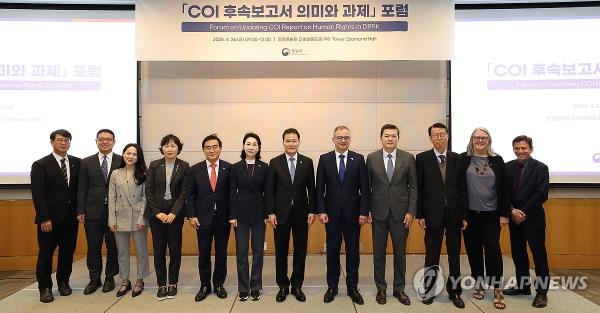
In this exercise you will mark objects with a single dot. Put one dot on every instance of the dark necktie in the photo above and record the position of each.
(104, 168)
(442, 160)
(213, 177)
(342, 170)
(250, 169)
(518, 175)
(443, 166)
(63, 169)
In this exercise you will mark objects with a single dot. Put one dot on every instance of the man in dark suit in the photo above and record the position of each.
(92, 211)
(440, 209)
(290, 201)
(54, 192)
(343, 206)
(528, 221)
(393, 205)
(206, 185)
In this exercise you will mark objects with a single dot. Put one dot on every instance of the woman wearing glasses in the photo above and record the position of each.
(248, 215)
(126, 207)
(165, 202)
(486, 197)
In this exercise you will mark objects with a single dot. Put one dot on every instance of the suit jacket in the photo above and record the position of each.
(280, 190)
(92, 191)
(434, 192)
(343, 199)
(156, 186)
(247, 194)
(397, 196)
(52, 198)
(533, 192)
(126, 202)
(201, 200)
(502, 183)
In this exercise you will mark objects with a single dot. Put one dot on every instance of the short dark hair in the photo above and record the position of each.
(140, 166)
(255, 136)
(290, 131)
(212, 137)
(165, 140)
(63, 132)
(389, 126)
(525, 138)
(436, 125)
(105, 130)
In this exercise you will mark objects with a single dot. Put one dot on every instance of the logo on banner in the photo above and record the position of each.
(285, 52)
(596, 157)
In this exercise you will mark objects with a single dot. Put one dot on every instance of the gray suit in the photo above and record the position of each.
(126, 206)
(390, 200)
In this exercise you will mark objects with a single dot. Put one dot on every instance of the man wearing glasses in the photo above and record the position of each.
(342, 205)
(54, 192)
(440, 210)
(92, 211)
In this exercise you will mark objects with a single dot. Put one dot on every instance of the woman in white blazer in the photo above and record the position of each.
(126, 205)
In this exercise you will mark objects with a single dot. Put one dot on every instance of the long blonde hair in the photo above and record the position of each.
(470, 149)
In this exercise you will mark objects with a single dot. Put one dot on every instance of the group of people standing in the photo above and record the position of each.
(116, 197)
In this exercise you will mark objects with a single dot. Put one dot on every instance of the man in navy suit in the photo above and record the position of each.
(290, 202)
(54, 192)
(343, 206)
(207, 187)
(528, 221)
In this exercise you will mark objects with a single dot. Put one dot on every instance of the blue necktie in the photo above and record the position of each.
(342, 171)
(292, 169)
(104, 168)
(390, 167)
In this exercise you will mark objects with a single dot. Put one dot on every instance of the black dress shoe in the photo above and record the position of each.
(355, 296)
(64, 289)
(457, 301)
(281, 294)
(330, 294)
(380, 297)
(255, 295)
(201, 295)
(428, 301)
(299, 294)
(540, 301)
(513, 291)
(46, 295)
(221, 292)
(91, 287)
(402, 297)
(124, 289)
(137, 289)
(109, 284)
(172, 293)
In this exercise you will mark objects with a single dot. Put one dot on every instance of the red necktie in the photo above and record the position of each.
(213, 177)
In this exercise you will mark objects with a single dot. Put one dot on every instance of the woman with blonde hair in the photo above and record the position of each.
(486, 196)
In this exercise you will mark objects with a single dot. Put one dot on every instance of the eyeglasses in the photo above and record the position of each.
(482, 139)
(63, 140)
(439, 136)
(342, 138)
(105, 140)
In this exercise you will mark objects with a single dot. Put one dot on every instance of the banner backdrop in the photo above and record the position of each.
(294, 30)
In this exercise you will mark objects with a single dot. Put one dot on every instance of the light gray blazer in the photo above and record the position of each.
(398, 195)
(126, 202)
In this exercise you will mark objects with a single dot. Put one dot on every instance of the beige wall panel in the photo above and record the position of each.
(414, 81)
(335, 82)
(316, 122)
(253, 82)
(412, 119)
(176, 82)
(190, 122)
(268, 120)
